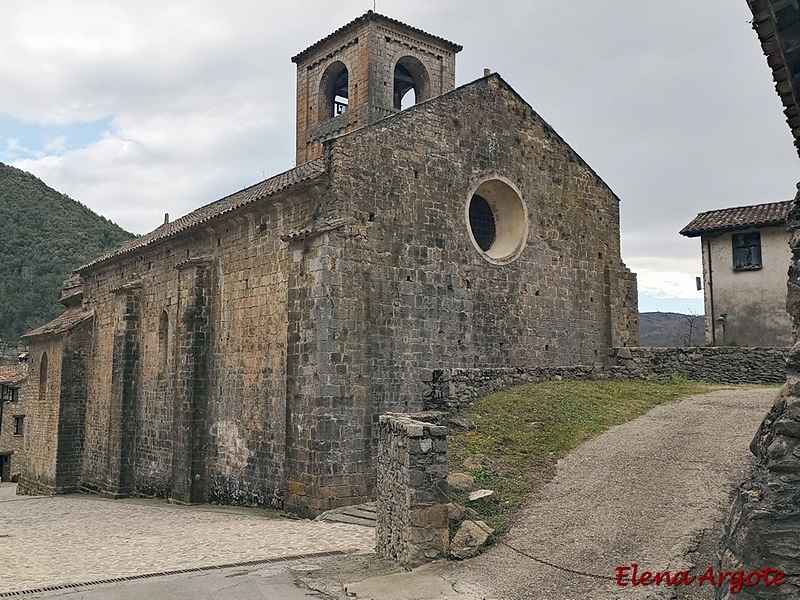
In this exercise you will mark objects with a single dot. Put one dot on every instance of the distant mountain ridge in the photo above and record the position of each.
(44, 235)
(663, 330)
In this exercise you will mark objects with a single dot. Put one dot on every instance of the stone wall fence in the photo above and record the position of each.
(718, 364)
(412, 494)
(450, 390)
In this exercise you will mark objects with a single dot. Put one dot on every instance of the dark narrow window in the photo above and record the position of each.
(746, 251)
(481, 222)
(43, 377)
(163, 344)
(19, 425)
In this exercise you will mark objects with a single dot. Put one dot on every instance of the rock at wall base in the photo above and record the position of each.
(470, 539)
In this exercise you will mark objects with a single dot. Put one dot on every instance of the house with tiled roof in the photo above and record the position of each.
(12, 420)
(746, 256)
(243, 353)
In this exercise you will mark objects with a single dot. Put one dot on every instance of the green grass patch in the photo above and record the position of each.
(520, 433)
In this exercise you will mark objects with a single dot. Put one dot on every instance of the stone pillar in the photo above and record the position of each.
(329, 406)
(193, 350)
(125, 384)
(72, 408)
(412, 525)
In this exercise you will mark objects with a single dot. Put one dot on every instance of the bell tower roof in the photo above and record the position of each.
(364, 72)
(376, 17)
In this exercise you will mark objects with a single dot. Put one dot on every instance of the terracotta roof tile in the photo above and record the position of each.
(11, 376)
(63, 323)
(268, 187)
(776, 23)
(373, 16)
(740, 217)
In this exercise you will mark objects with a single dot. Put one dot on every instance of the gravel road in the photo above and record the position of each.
(643, 492)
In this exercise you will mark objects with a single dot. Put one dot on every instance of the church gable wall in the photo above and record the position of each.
(402, 290)
(433, 298)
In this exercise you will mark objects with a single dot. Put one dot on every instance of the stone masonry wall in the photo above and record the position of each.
(434, 300)
(9, 353)
(412, 518)
(452, 389)
(221, 334)
(72, 409)
(41, 420)
(717, 364)
(9, 441)
(401, 289)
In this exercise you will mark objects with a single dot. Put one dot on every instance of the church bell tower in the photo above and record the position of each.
(368, 70)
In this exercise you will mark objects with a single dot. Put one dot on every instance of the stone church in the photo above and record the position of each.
(243, 353)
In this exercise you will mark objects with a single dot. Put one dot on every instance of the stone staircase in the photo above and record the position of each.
(359, 514)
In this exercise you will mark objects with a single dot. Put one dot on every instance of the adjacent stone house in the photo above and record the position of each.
(746, 256)
(12, 421)
(243, 353)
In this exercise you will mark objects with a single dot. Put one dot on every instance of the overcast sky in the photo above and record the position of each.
(140, 108)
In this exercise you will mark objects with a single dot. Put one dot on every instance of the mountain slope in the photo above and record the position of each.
(43, 236)
(662, 329)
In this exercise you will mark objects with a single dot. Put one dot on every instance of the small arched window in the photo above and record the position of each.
(163, 344)
(334, 91)
(411, 82)
(43, 376)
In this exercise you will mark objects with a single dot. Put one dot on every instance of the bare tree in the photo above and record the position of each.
(691, 325)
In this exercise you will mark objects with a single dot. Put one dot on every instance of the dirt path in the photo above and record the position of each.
(642, 492)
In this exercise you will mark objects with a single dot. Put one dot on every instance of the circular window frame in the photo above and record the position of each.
(510, 218)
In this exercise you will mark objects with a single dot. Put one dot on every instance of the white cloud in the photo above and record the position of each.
(13, 146)
(56, 146)
(667, 277)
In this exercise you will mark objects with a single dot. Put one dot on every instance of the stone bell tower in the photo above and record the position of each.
(370, 69)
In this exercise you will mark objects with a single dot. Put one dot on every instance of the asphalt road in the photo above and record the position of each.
(270, 583)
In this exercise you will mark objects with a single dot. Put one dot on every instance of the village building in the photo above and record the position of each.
(12, 421)
(243, 353)
(746, 256)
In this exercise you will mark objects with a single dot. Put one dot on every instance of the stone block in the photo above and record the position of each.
(482, 496)
(437, 516)
(418, 517)
(470, 539)
(787, 427)
(461, 482)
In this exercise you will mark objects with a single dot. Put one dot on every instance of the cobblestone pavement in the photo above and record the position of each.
(77, 538)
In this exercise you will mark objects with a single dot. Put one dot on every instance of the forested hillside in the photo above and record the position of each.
(662, 329)
(43, 236)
